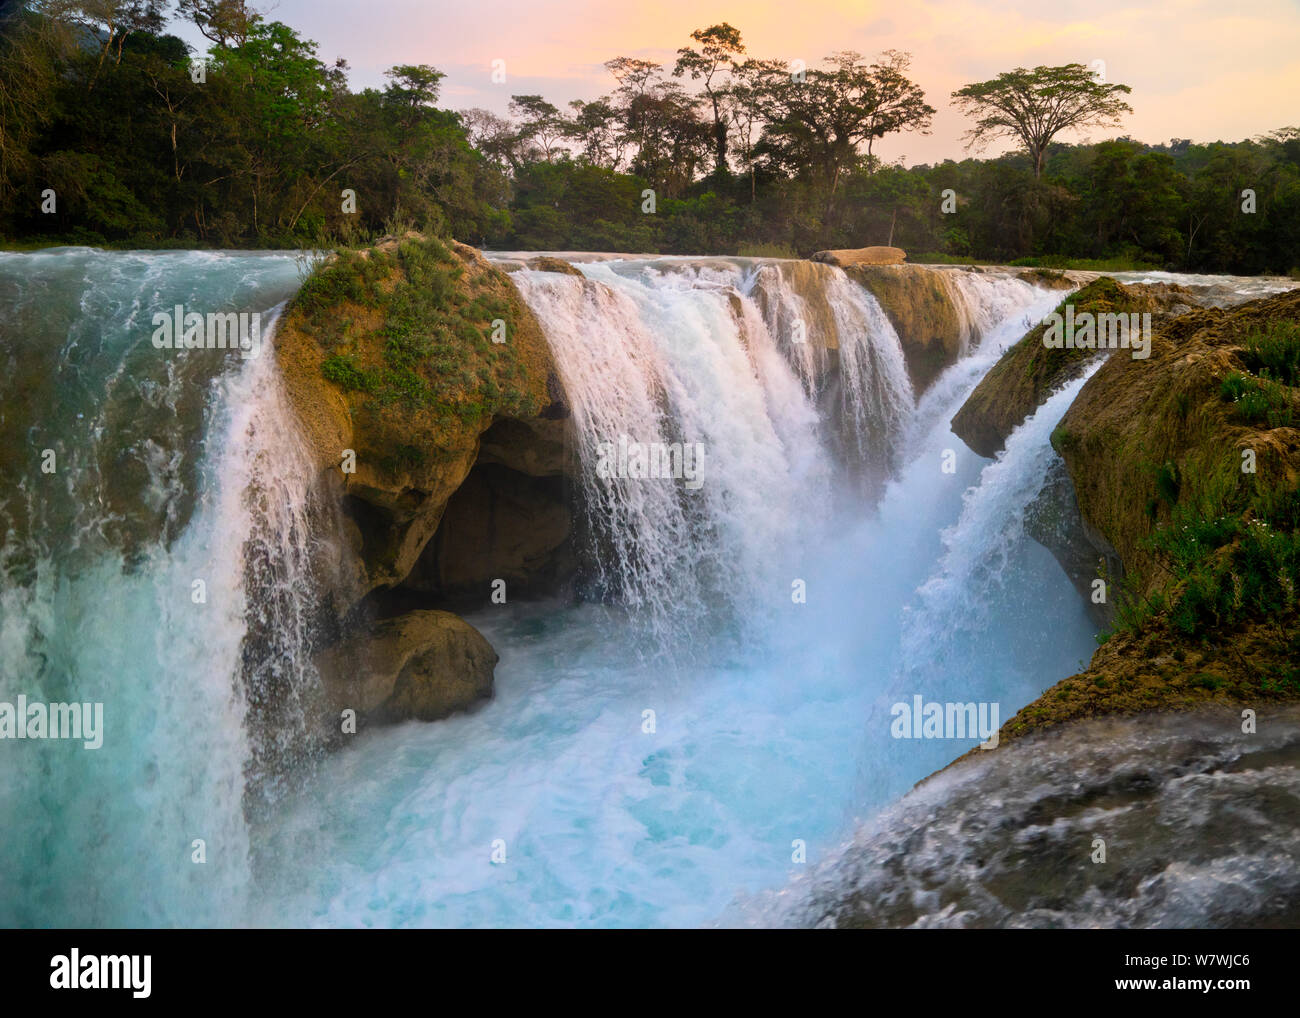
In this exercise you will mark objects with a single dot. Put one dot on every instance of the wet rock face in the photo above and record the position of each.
(1196, 499)
(1054, 521)
(1195, 819)
(924, 311)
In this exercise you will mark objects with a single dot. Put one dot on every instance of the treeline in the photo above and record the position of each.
(141, 145)
(110, 132)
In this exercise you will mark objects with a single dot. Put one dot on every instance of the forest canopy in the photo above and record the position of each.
(114, 132)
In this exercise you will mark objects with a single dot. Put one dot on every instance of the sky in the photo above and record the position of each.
(1201, 69)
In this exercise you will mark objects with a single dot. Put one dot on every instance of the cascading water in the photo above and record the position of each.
(145, 496)
(770, 720)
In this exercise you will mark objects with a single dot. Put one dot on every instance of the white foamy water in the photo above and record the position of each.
(106, 836)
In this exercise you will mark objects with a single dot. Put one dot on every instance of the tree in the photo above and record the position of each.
(661, 122)
(595, 126)
(636, 78)
(719, 47)
(412, 88)
(495, 137)
(111, 20)
(899, 103)
(820, 123)
(542, 124)
(1035, 106)
(743, 101)
(30, 48)
(225, 22)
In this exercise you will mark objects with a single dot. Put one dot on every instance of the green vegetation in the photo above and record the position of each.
(1050, 364)
(1258, 401)
(98, 104)
(435, 352)
(1229, 550)
(1274, 353)
(1262, 394)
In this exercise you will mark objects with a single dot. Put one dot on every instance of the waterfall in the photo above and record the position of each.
(124, 583)
(803, 582)
(737, 358)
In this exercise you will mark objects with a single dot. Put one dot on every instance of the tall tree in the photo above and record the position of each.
(1035, 106)
(30, 49)
(743, 101)
(111, 20)
(541, 124)
(819, 124)
(595, 126)
(719, 47)
(898, 103)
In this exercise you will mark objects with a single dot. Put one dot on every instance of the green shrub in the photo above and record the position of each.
(344, 373)
(1274, 353)
(1168, 482)
(1258, 401)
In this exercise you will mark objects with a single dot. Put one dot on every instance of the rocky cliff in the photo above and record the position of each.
(925, 311)
(437, 423)
(1186, 470)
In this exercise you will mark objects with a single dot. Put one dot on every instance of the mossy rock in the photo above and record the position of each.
(391, 352)
(923, 309)
(1202, 504)
(1029, 372)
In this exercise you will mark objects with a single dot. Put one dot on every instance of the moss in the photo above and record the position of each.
(1063, 439)
(344, 373)
(433, 327)
(1168, 484)
(919, 304)
(1029, 372)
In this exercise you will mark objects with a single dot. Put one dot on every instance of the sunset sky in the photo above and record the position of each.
(1200, 69)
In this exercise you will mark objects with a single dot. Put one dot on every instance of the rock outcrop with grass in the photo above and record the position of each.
(1186, 468)
(426, 392)
(1030, 372)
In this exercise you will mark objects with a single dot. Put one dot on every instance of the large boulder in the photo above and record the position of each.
(549, 263)
(1186, 469)
(389, 360)
(1149, 442)
(421, 379)
(423, 665)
